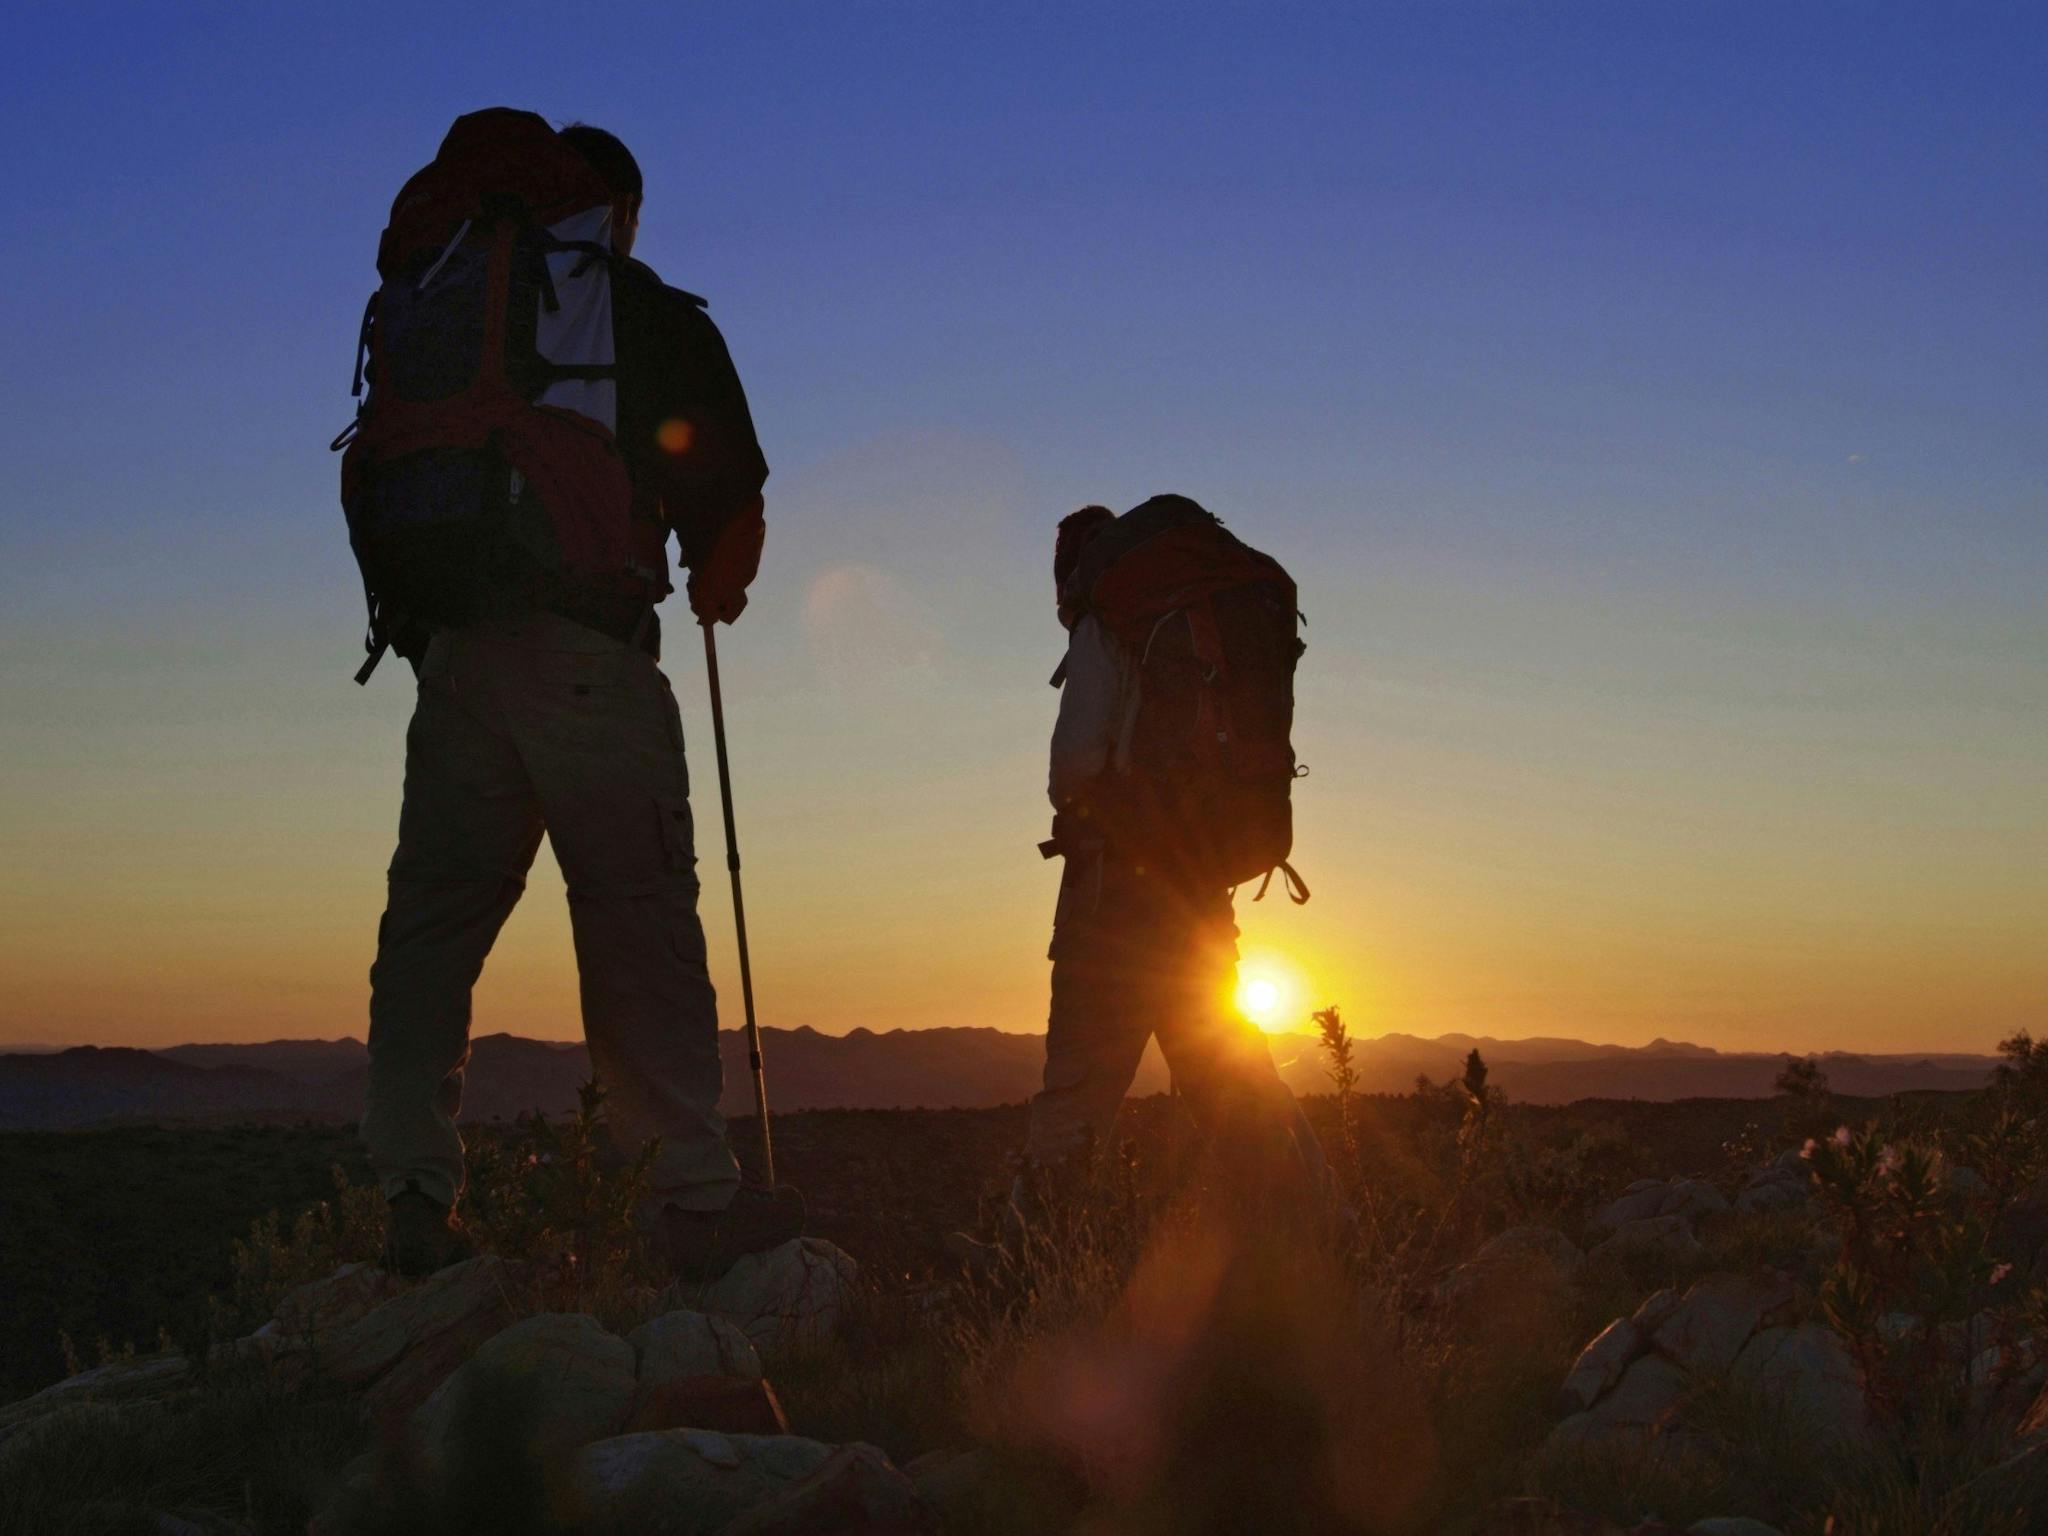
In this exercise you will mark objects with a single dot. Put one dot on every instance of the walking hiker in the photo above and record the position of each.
(1170, 777)
(541, 413)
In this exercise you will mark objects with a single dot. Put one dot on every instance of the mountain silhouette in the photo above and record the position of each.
(967, 1068)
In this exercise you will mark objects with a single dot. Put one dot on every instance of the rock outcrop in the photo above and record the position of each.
(685, 1482)
(1519, 1258)
(558, 1381)
(1671, 1234)
(681, 1344)
(1647, 1198)
(358, 1328)
(119, 1381)
(673, 1430)
(779, 1298)
(857, 1492)
(1780, 1184)
(1631, 1382)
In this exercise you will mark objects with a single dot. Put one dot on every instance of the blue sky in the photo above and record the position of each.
(1648, 397)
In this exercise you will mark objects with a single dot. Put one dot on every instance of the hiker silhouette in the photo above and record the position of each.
(1170, 776)
(541, 413)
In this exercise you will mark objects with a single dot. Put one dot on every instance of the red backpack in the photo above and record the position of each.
(1204, 769)
(480, 474)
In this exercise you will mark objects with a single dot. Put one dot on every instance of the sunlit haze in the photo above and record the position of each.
(1647, 398)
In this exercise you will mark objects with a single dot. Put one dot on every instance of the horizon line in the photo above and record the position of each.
(1990, 1052)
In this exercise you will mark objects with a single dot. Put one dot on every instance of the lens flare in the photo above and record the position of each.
(1262, 997)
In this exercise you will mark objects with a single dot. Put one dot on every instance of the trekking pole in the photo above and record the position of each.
(739, 907)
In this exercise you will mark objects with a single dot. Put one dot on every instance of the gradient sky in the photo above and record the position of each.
(1649, 398)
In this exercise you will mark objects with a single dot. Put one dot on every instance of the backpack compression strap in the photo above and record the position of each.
(1290, 881)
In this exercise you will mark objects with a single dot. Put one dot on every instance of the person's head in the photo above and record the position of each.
(621, 172)
(1076, 530)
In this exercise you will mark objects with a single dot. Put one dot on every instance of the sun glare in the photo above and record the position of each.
(1265, 995)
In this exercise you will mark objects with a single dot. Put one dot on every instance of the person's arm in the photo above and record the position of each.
(707, 464)
(1084, 736)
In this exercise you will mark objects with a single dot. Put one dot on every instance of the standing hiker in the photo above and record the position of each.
(1170, 778)
(542, 412)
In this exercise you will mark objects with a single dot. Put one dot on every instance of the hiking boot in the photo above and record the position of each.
(702, 1245)
(421, 1235)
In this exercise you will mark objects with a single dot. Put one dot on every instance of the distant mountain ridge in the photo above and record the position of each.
(965, 1068)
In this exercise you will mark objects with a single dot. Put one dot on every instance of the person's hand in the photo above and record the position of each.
(718, 582)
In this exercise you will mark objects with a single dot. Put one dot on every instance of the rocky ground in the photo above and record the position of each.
(1573, 1322)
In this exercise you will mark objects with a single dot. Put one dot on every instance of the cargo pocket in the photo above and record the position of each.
(672, 718)
(678, 897)
(679, 839)
(1080, 899)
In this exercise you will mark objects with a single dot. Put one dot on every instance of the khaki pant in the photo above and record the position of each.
(527, 726)
(1134, 957)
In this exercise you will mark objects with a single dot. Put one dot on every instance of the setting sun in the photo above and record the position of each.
(1266, 995)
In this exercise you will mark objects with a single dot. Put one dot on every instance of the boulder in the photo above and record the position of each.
(1655, 1307)
(684, 1482)
(558, 1381)
(857, 1492)
(1694, 1198)
(780, 1297)
(1667, 1234)
(1516, 1261)
(402, 1349)
(1639, 1404)
(1601, 1363)
(1707, 1329)
(1807, 1369)
(1647, 1198)
(313, 1311)
(1771, 1194)
(143, 1376)
(679, 1345)
(732, 1405)
(1774, 1193)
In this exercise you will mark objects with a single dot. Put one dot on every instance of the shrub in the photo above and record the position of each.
(557, 1198)
(1805, 1098)
(1913, 1266)
(275, 1259)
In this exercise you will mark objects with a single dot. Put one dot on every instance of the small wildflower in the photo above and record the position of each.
(1999, 1272)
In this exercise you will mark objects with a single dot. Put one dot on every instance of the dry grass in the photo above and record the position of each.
(1169, 1352)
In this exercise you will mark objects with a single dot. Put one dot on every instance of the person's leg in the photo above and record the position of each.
(599, 732)
(467, 834)
(1098, 1022)
(1220, 1060)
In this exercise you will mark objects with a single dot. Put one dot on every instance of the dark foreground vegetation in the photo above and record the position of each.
(1153, 1360)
